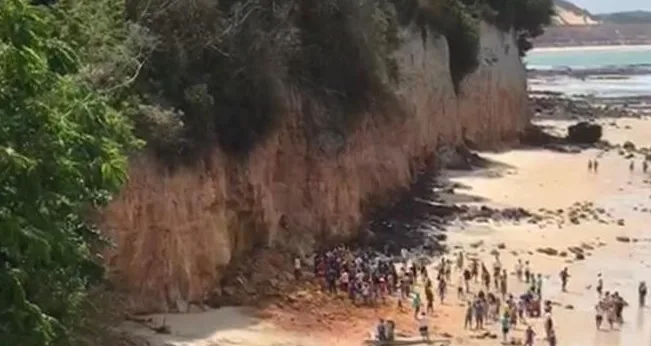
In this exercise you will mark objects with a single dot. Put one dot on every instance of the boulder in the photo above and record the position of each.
(628, 145)
(623, 239)
(548, 251)
(584, 133)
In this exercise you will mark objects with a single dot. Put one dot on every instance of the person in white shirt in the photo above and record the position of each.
(297, 268)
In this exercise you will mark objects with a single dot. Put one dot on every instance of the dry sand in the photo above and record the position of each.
(536, 179)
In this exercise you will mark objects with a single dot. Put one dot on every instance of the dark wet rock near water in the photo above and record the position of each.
(584, 133)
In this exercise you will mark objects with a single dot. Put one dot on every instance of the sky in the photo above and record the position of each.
(603, 6)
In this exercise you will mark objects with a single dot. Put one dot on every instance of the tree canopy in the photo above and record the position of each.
(62, 153)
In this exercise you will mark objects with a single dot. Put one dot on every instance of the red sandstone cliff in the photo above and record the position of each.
(176, 232)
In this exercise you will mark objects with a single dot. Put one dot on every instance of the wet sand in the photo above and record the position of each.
(536, 179)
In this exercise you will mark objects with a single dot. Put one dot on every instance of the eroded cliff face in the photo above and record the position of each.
(177, 232)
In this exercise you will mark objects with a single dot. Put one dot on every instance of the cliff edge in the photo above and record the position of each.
(177, 232)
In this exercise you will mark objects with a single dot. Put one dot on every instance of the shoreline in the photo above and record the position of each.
(589, 48)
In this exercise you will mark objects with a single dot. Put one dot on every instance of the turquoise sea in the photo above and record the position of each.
(584, 58)
(590, 57)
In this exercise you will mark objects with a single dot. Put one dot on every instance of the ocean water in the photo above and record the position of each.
(590, 58)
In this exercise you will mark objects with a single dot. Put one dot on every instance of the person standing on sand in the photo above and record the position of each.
(460, 261)
(429, 297)
(460, 294)
(297, 268)
(549, 325)
(631, 166)
(485, 278)
(599, 314)
(400, 295)
(467, 324)
(506, 326)
(645, 166)
(551, 338)
(600, 285)
(564, 276)
(503, 287)
(466, 280)
(381, 334)
(529, 336)
(474, 269)
(423, 328)
(595, 166)
(415, 304)
(589, 165)
(527, 272)
(539, 283)
(442, 289)
(497, 269)
(641, 291)
(619, 305)
(518, 269)
(479, 314)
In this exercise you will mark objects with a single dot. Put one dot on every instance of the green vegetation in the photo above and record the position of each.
(526, 17)
(229, 75)
(62, 147)
(76, 74)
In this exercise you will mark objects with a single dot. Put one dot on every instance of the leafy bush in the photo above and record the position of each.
(230, 73)
(61, 153)
(527, 17)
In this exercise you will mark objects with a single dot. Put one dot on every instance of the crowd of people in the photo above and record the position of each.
(369, 278)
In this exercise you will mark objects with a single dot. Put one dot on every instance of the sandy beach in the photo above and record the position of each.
(533, 179)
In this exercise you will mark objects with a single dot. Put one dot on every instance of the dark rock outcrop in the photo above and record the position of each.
(584, 133)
